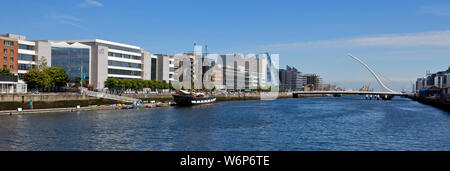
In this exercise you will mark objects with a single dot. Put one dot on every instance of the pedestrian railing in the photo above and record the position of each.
(110, 96)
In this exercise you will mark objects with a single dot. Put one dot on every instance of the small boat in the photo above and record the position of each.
(185, 98)
(128, 106)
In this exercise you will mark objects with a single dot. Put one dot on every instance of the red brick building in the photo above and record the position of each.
(9, 54)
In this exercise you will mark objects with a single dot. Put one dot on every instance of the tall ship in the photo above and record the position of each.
(185, 98)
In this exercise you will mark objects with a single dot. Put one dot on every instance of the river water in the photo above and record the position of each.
(322, 123)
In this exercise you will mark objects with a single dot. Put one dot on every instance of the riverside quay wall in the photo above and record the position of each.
(54, 97)
(43, 97)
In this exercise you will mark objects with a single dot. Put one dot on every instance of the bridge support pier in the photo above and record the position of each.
(387, 97)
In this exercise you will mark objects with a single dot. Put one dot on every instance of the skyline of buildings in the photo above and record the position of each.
(96, 60)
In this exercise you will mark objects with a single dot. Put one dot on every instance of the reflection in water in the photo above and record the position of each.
(325, 123)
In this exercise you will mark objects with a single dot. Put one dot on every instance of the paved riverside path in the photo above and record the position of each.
(54, 110)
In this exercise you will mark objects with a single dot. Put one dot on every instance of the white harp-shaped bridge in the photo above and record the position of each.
(387, 93)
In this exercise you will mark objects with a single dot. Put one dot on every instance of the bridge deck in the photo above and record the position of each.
(349, 92)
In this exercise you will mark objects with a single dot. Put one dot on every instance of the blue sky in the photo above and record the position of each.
(399, 39)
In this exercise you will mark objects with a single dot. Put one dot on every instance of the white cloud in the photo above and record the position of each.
(67, 19)
(433, 39)
(436, 10)
(90, 3)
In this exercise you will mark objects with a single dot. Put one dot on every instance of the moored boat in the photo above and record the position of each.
(185, 98)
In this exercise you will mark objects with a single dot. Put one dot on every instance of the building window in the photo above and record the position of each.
(11, 60)
(124, 64)
(21, 76)
(5, 51)
(24, 57)
(124, 72)
(8, 43)
(12, 52)
(110, 54)
(136, 57)
(11, 67)
(25, 66)
(4, 67)
(26, 47)
(5, 59)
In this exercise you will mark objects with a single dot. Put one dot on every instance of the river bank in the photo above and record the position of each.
(438, 103)
(11, 108)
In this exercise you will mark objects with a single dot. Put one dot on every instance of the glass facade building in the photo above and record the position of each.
(71, 60)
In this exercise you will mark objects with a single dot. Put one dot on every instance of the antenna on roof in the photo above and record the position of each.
(206, 49)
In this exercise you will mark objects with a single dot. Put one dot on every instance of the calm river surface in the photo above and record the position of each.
(324, 123)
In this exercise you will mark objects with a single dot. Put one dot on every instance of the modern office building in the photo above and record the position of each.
(116, 60)
(74, 58)
(95, 60)
(268, 69)
(161, 67)
(171, 69)
(291, 79)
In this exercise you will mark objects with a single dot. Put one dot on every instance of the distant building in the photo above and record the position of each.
(313, 81)
(291, 79)
(437, 83)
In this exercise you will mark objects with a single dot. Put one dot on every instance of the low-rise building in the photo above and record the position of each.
(11, 84)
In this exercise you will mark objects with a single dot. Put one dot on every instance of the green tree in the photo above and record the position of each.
(5, 72)
(112, 83)
(147, 84)
(165, 85)
(140, 84)
(153, 85)
(37, 79)
(58, 76)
